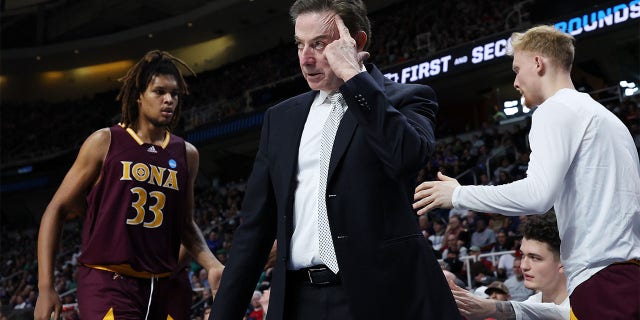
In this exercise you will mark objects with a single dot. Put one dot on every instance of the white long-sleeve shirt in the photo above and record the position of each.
(584, 163)
(534, 309)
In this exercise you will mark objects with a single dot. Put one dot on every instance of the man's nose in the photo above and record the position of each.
(306, 55)
(168, 97)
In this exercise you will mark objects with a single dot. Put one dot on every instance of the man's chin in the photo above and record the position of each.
(529, 285)
(314, 85)
(161, 123)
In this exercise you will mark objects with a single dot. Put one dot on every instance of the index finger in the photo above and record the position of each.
(56, 312)
(342, 28)
(424, 186)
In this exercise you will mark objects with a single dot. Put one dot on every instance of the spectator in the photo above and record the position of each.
(255, 311)
(483, 237)
(481, 269)
(455, 228)
(452, 262)
(213, 241)
(515, 283)
(454, 244)
(503, 243)
(498, 291)
(437, 238)
(505, 266)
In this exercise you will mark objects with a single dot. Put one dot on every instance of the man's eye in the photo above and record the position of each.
(319, 45)
(300, 45)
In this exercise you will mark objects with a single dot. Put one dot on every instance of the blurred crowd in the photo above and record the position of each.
(407, 30)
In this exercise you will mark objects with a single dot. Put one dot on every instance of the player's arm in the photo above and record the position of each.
(192, 238)
(67, 203)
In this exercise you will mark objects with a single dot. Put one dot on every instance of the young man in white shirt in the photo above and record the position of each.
(543, 272)
(584, 163)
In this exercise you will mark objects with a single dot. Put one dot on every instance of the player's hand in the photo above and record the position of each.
(342, 54)
(430, 195)
(48, 302)
(214, 275)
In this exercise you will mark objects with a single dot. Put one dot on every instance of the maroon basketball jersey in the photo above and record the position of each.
(133, 213)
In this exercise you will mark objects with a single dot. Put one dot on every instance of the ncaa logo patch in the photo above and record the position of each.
(172, 164)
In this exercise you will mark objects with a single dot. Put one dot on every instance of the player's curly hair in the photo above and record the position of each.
(543, 228)
(137, 79)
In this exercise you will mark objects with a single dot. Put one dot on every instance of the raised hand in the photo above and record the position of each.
(342, 54)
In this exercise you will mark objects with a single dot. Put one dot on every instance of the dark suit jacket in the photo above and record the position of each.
(388, 270)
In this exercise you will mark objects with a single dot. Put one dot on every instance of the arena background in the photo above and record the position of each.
(60, 57)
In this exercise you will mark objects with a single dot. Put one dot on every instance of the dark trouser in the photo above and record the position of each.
(307, 301)
(108, 295)
(613, 293)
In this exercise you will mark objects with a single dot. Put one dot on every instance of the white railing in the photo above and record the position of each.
(493, 256)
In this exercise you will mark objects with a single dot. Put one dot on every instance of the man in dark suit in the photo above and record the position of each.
(348, 241)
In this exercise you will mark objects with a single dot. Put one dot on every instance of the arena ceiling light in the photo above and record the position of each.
(628, 88)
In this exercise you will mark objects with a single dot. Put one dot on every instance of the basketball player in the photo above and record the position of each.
(585, 164)
(133, 186)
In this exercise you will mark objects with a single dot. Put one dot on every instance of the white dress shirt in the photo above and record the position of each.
(304, 242)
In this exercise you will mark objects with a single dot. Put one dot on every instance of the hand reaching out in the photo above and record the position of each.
(469, 305)
(430, 195)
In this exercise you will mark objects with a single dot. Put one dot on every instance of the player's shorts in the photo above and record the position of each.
(109, 295)
(180, 306)
(612, 293)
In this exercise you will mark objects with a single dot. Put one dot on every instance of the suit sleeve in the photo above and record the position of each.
(252, 240)
(400, 132)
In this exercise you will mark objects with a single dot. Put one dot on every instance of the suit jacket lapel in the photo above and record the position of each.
(295, 118)
(348, 126)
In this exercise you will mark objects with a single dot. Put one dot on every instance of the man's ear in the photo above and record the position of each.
(540, 64)
(361, 40)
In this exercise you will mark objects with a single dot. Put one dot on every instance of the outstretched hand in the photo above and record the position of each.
(430, 195)
(469, 305)
(342, 54)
